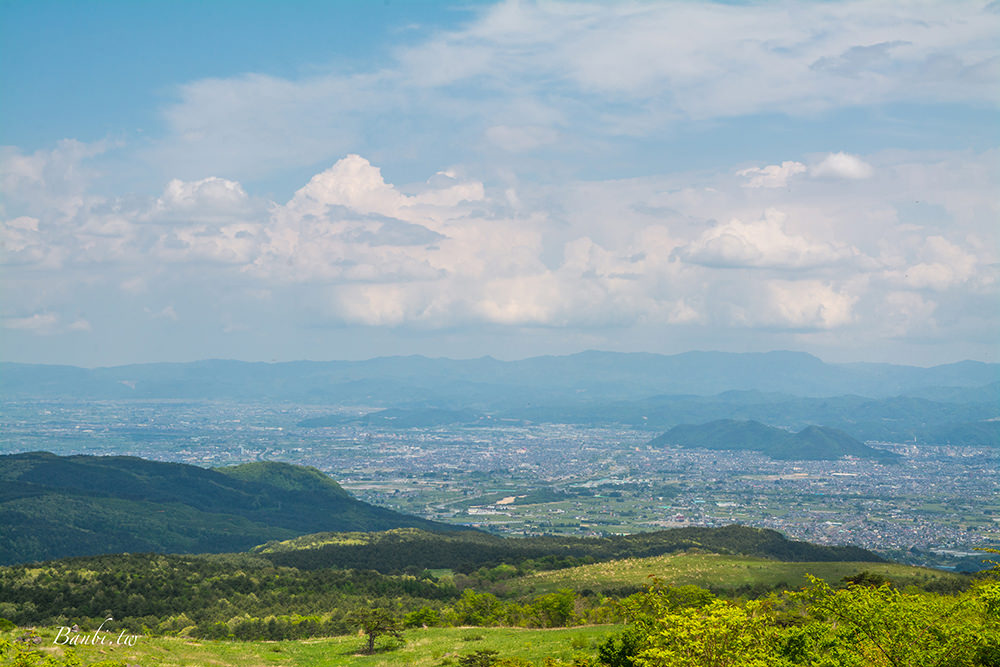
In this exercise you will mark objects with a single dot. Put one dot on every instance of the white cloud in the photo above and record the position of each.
(38, 323)
(49, 184)
(842, 166)
(165, 313)
(901, 312)
(350, 248)
(761, 244)
(771, 176)
(803, 305)
(942, 265)
(525, 74)
(207, 196)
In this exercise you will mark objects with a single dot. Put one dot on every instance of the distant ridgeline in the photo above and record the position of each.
(953, 403)
(811, 443)
(53, 506)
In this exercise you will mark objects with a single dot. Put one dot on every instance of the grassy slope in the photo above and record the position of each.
(720, 572)
(422, 648)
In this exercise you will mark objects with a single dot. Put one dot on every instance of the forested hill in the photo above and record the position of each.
(811, 443)
(53, 506)
(408, 549)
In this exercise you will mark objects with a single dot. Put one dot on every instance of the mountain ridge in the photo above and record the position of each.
(54, 506)
(590, 374)
(811, 443)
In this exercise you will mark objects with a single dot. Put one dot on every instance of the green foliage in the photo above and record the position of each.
(219, 597)
(24, 652)
(375, 623)
(554, 610)
(480, 658)
(620, 650)
(885, 626)
(55, 506)
(425, 617)
(490, 556)
(858, 626)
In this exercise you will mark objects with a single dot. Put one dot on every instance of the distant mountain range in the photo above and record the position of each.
(960, 416)
(490, 383)
(955, 403)
(54, 506)
(811, 443)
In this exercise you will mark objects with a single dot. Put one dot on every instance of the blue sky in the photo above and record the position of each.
(317, 180)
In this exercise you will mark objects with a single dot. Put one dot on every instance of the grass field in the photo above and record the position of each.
(716, 571)
(432, 646)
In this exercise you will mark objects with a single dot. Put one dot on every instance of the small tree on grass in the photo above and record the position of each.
(377, 623)
(481, 658)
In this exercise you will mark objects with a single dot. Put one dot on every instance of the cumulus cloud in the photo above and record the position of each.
(49, 183)
(760, 244)
(942, 265)
(453, 252)
(806, 304)
(206, 198)
(771, 176)
(842, 166)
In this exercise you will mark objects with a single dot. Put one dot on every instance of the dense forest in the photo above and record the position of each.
(865, 621)
(405, 549)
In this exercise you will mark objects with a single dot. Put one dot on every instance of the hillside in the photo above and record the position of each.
(723, 574)
(811, 443)
(52, 506)
(409, 549)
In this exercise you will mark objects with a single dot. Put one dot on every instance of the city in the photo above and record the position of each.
(935, 507)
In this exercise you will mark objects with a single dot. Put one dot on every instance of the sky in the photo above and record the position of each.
(342, 180)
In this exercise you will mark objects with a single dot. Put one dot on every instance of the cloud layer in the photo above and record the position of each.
(453, 252)
(623, 175)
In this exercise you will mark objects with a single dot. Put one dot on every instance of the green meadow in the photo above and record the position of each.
(723, 574)
(430, 646)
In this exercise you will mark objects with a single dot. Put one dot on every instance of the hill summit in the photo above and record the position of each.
(56, 506)
(811, 443)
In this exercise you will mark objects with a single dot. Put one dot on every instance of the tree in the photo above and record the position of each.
(376, 623)
(481, 658)
(554, 610)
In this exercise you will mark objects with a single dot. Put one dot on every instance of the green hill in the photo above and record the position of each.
(811, 443)
(53, 506)
(410, 549)
(723, 574)
(972, 434)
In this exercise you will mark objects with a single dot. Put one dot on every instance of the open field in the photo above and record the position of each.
(431, 646)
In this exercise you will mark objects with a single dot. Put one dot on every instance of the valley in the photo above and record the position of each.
(932, 507)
